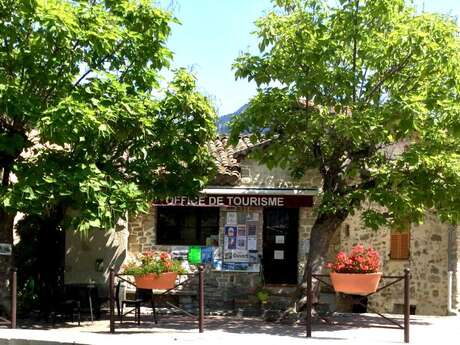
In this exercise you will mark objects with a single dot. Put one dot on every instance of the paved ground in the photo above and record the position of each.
(237, 331)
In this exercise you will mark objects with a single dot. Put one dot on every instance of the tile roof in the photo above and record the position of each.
(227, 158)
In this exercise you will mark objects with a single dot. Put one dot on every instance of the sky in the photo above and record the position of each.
(214, 32)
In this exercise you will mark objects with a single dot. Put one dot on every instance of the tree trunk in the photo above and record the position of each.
(322, 232)
(51, 260)
(6, 236)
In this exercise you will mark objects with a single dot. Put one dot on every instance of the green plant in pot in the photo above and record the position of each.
(263, 296)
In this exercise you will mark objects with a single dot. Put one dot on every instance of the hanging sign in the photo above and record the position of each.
(194, 255)
(241, 201)
(207, 255)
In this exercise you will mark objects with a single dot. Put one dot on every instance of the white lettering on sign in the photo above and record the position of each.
(227, 201)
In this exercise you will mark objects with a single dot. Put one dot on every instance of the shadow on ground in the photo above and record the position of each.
(175, 323)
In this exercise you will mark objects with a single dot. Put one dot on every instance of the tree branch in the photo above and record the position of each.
(392, 71)
(100, 62)
(355, 48)
(122, 76)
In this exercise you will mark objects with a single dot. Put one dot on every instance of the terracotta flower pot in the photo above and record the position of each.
(355, 283)
(162, 281)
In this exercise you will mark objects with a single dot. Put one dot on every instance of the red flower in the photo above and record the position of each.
(360, 260)
(165, 256)
(153, 262)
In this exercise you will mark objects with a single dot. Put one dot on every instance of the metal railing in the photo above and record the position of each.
(405, 278)
(190, 276)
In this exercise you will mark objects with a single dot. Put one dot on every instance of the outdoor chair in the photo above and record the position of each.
(140, 296)
(67, 308)
(88, 297)
(64, 306)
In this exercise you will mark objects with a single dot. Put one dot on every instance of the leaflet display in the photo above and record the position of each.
(240, 242)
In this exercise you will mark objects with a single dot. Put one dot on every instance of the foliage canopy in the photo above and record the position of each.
(368, 93)
(86, 122)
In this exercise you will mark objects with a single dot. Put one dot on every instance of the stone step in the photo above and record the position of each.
(281, 290)
(278, 302)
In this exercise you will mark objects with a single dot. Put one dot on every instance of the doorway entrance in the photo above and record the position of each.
(280, 243)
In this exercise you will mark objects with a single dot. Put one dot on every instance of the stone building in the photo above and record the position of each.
(258, 223)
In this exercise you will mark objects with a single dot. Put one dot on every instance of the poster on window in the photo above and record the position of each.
(251, 228)
(217, 254)
(241, 243)
(240, 236)
(254, 268)
(252, 243)
(230, 230)
(240, 255)
(241, 266)
(230, 236)
(241, 231)
(228, 255)
(229, 243)
(232, 218)
(242, 217)
(253, 216)
(207, 255)
(253, 256)
(179, 252)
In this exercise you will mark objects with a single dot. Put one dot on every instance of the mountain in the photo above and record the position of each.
(223, 121)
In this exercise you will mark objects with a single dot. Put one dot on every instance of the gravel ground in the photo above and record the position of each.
(238, 331)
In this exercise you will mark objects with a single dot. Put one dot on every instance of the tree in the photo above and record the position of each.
(88, 128)
(367, 93)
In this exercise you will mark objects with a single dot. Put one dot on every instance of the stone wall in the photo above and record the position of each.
(428, 264)
(142, 232)
(456, 269)
(428, 248)
(256, 175)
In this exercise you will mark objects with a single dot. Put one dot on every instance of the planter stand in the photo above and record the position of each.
(198, 275)
(359, 300)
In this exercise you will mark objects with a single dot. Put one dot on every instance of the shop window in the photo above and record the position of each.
(187, 225)
(400, 243)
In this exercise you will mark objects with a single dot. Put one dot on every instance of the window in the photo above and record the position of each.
(400, 243)
(187, 225)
